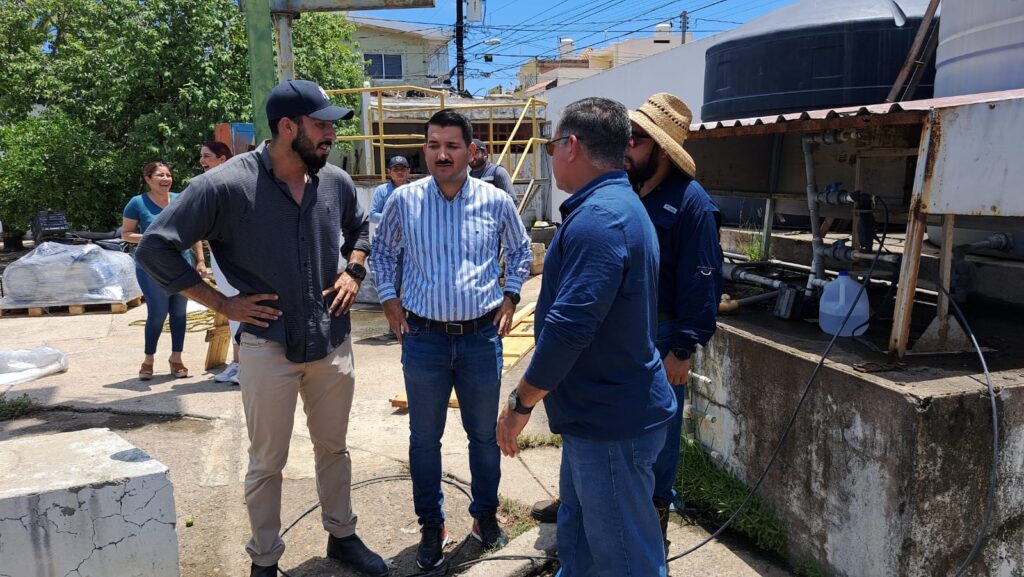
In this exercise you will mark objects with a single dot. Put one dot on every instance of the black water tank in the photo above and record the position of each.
(811, 55)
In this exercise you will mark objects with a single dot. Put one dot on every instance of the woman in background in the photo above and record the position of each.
(211, 155)
(139, 213)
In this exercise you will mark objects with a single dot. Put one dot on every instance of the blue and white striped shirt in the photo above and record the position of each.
(450, 272)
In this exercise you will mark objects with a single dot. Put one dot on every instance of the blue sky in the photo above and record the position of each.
(530, 28)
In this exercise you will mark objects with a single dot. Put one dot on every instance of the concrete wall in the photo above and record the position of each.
(84, 503)
(879, 477)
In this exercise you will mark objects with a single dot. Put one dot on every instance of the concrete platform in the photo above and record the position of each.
(84, 503)
(884, 473)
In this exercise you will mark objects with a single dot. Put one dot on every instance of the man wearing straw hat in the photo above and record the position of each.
(690, 274)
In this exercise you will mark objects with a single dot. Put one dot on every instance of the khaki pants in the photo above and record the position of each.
(270, 383)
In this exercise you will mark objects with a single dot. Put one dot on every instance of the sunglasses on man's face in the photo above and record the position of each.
(635, 137)
(550, 146)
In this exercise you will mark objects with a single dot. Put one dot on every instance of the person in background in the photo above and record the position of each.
(280, 218)
(213, 154)
(450, 320)
(139, 214)
(481, 167)
(398, 175)
(595, 364)
(690, 275)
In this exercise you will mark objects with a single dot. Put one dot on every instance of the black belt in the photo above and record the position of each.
(456, 328)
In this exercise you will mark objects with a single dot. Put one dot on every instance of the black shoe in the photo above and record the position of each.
(487, 531)
(433, 538)
(352, 552)
(261, 571)
(546, 511)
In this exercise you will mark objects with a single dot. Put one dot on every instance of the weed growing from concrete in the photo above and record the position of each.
(807, 569)
(14, 408)
(515, 517)
(751, 244)
(714, 489)
(531, 441)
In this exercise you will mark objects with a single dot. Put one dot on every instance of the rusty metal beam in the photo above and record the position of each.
(901, 118)
(915, 50)
(917, 222)
(345, 5)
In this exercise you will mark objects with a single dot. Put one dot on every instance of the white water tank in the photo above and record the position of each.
(566, 48)
(981, 47)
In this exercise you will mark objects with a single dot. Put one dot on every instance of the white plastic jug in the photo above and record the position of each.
(835, 303)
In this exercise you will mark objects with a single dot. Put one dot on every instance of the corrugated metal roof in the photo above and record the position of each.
(909, 112)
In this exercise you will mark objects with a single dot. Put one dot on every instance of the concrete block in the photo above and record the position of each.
(539, 542)
(84, 504)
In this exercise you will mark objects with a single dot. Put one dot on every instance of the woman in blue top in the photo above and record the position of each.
(139, 213)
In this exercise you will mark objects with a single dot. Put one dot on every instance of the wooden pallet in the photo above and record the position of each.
(106, 308)
(514, 347)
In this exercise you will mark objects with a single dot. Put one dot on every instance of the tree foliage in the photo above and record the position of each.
(91, 90)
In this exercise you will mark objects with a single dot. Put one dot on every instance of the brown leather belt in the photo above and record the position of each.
(455, 328)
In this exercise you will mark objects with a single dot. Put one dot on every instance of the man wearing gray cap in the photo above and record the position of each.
(481, 167)
(275, 218)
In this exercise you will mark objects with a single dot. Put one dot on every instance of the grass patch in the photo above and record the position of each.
(719, 493)
(14, 408)
(515, 517)
(807, 569)
(751, 244)
(531, 441)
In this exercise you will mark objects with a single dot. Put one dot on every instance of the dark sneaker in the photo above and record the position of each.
(261, 571)
(546, 511)
(352, 552)
(663, 512)
(433, 538)
(487, 531)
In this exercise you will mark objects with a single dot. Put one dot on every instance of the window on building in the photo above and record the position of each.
(384, 66)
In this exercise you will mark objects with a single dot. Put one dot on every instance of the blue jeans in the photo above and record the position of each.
(607, 525)
(159, 304)
(435, 362)
(667, 465)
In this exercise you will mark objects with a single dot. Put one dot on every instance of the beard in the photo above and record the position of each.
(640, 172)
(307, 151)
(476, 164)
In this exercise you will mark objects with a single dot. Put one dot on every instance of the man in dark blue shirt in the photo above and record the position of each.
(690, 277)
(595, 364)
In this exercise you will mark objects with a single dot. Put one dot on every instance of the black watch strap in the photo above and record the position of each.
(514, 297)
(682, 353)
(516, 404)
(356, 271)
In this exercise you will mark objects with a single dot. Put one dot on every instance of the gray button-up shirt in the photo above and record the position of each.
(265, 243)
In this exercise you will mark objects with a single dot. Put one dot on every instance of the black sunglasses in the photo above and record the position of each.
(550, 146)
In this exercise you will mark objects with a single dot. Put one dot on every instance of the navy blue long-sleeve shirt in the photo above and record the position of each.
(690, 275)
(596, 318)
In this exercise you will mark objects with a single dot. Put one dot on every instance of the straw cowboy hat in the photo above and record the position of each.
(667, 120)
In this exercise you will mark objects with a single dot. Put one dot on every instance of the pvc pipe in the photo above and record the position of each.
(817, 266)
(730, 305)
(736, 273)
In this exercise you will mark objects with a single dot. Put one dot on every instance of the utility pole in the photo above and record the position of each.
(460, 57)
(684, 25)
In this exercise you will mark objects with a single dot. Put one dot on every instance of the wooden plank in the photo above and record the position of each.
(219, 338)
(400, 401)
(71, 309)
(35, 312)
(516, 345)
(118, 308)
(76, 309)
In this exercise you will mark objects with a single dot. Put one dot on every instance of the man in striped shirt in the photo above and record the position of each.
(450, 318)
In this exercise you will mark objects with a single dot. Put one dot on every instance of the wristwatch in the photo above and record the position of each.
(514, 297)
(356, 271)
(682, 354)
(515, 404)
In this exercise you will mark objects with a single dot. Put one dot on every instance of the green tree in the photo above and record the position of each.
(91, 90)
